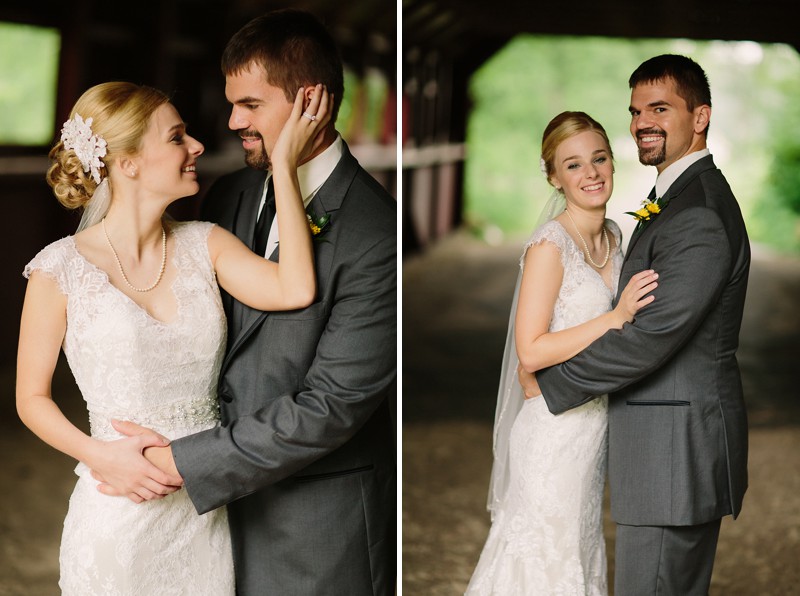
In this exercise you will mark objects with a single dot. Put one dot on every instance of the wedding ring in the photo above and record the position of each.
(309, 116)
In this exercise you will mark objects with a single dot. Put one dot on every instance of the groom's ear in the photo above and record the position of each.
(702, 118)
(308, 92)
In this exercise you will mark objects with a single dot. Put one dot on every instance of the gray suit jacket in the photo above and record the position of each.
(677, 420)
(305, 456)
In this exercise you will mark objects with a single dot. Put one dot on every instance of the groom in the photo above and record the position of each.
(677, 421)
(305, 456)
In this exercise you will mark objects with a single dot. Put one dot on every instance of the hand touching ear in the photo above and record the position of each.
(304, 131)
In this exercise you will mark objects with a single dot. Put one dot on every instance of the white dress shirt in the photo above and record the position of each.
(311, 176)
(671, 174)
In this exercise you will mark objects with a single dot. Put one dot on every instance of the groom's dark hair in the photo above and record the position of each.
(691, 82)
(294, 49)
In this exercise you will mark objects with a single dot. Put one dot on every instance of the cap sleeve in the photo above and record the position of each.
(551, 232)
(615, 230)
(195, 235)
(52, 261)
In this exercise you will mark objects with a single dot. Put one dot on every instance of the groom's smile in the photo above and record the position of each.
(258, 112)
(652, 144)
(647, 137)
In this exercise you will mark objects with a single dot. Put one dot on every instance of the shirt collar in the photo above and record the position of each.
(671, 174)
(313, 174)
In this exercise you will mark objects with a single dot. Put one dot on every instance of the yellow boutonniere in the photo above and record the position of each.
(318, 226)
(648, 211)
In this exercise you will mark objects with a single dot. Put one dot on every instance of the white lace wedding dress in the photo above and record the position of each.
(547, 535)
(131, 366)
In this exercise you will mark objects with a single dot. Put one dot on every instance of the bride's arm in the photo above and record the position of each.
(541, 280)
(248, 277)
(42, 329)
(291, 283)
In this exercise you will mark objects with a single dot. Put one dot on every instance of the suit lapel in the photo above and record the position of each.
(639, 226)
(243, 227)
(327, 201)
(245, 223)
(700, 166)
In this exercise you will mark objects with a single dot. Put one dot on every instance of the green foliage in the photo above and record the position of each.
(28, 83)
(779, 206)
(785, 174)
(533, 78)
(344, 121)
(362, 111)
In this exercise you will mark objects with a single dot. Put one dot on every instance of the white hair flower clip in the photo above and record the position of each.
(77, 135)
(543, 166)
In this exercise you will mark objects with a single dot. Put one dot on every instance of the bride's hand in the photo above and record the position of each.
(304, 131)
(122, 470)
(635, 295)
(530, 386)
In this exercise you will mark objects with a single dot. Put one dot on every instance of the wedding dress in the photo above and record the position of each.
(546, 536)
(129, 365)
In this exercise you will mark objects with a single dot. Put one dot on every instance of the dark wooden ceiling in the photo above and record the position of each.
(360, 15)
(356, 23)
(460, 26)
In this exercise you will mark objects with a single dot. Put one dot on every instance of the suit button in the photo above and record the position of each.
(226, 398)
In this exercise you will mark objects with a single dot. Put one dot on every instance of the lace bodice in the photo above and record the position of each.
(583, 294)
(546, 537)
(130, 365)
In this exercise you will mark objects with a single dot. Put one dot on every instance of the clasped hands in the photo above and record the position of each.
(530, 386)
(139, 467)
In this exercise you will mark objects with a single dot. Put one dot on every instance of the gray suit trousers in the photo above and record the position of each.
(665, 560)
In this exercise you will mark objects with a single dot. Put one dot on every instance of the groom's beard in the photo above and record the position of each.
(256, 158)
(652, 156)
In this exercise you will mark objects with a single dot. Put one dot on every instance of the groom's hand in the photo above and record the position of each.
(143, 468)
(162, 458)
(528, 381)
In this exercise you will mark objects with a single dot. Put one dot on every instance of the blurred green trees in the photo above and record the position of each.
(28, 83)
(756, 113)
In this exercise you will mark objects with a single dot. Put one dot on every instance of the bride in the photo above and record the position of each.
(547, 481)
(133, 300)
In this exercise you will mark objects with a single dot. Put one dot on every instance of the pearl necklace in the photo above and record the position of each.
(122, 271)
(586, 246)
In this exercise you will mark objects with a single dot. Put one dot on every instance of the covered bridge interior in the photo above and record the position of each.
(446, 41)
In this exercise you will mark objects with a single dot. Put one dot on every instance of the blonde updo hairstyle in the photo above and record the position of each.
(561, 128)
(120, 114)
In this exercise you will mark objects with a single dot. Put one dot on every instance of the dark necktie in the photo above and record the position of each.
(265, 221)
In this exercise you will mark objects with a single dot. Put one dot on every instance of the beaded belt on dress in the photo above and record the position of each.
(183, 414)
